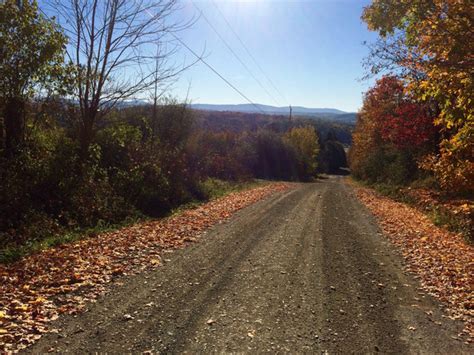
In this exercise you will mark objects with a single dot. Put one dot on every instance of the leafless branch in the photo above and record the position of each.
(112, 44)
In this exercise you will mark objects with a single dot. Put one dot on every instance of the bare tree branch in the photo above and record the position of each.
(113, 43)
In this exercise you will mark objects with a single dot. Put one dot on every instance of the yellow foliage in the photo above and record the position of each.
(305, 142)
(439, 35)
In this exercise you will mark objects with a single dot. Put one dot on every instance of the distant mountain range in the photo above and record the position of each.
(315, 113)
(257, 108)
(325, 113)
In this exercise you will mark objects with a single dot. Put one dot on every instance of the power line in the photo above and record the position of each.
(199, 58)
(249, 53)
(216, 72)
(234, 53)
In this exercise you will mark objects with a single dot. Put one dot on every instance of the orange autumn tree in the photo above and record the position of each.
(431, 44)
(392, 132)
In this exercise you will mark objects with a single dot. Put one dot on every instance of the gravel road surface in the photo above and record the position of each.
(303, 271)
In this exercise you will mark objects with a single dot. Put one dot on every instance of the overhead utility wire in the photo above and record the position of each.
(199, 58)
(235, 54)
(217, 73)
(249, 53)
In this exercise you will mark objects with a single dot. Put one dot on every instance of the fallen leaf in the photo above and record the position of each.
(38, 300)
(21, 308)
(61, 273)
(440, 259)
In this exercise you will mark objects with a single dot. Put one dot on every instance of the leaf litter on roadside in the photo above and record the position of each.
(442, 260)
(35, 290)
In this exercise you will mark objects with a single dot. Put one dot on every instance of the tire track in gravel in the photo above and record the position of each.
(302, 271)
(266, 312)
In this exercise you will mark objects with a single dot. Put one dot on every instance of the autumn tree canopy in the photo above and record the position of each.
(305, 142)
(390, 122)
(432, 43)
(400, 120)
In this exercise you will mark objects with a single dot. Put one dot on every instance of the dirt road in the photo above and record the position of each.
(302, 271)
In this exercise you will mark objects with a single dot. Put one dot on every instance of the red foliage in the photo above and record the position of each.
(398, 118)
(410, 126)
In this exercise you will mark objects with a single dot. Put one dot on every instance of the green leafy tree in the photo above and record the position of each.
(31, 57)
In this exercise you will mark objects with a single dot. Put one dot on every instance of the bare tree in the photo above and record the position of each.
(390, 55)
(111, 47)
(158, 88)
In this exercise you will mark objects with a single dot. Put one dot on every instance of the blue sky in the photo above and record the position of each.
(311, 50)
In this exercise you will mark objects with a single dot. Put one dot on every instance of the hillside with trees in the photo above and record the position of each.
(134, 221)
(74, 156)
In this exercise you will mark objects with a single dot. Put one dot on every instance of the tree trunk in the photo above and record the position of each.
(154, 119)
(2, 133)
(14, 117)
(86, 135)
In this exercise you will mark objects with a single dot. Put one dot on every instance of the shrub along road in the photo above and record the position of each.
(305, 270)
